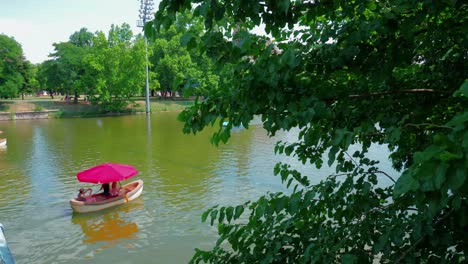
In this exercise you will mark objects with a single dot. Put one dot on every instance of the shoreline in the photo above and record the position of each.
(41, 108)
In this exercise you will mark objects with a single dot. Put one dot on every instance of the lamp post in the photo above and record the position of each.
(146, 9)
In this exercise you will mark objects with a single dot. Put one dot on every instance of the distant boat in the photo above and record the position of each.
(99, 201)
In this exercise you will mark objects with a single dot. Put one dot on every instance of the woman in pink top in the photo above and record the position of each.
(114, 191)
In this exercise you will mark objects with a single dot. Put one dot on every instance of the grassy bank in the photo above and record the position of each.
(85, 109)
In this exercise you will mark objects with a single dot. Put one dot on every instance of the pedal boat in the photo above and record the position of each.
(99, 201)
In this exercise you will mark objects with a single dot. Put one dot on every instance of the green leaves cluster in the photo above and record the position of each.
(116, 64)
(280, 226)
(13, 67)
(109, 69)
(177, 67)
(345, 73)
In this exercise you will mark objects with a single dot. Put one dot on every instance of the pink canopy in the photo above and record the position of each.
(107, 172)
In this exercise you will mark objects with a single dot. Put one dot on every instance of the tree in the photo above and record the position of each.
(172, 64)
(177, 67)
(50, 77)
(82, 38)
(116, 65)
(119, 35)
(69, 58)
(11, 67)
(30, 84)
(349, 73)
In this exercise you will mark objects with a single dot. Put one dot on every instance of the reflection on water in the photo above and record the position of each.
(108, 225)
(183, 174)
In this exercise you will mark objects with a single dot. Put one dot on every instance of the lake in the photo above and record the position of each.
(183, 175)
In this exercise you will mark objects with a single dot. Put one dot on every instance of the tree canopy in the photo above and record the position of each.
(175, 66)
(349, 73)
(116, 66)
(108, 69)
(12, 67)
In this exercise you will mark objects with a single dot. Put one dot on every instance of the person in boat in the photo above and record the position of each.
(82, 194)
(106, 189)
(114, 191)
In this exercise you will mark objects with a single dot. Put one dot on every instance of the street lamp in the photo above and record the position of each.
(146, 10)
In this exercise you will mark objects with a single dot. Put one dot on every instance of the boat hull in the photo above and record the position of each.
(5, 253)
(131, 191)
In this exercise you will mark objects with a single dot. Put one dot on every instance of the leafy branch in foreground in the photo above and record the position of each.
(353, 73)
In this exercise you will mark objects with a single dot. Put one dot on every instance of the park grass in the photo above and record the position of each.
(85, 109)
(158, 105)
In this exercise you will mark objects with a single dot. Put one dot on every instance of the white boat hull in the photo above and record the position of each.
(86, 207)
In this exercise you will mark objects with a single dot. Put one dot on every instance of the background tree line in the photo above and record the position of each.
(108, 69)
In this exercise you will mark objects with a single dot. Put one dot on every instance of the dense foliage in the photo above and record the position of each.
(175, 66)
(12, 67)
(30, 84)
(115, 67)
(108, 69)
(349, 73)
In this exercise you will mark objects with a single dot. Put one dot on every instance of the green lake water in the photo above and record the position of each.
(183, 176)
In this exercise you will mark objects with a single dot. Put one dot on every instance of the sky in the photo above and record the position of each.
(37, 24)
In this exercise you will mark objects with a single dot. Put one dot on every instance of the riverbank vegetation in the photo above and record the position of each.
(345, 73)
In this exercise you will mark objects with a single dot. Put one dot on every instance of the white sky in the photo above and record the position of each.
(37, 24)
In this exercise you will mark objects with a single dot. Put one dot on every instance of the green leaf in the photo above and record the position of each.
(229, 213)
(213, 215)
(288, 150)
(205, 215)
(277, 169)
(332, 155)
(289, 182)
(463, 91)
(440, 174)
(221, 215)
(338, 137)
(348, 259)
(289, 57)
(238, 211)
(458, 178)
(404, 184)
(260, 210)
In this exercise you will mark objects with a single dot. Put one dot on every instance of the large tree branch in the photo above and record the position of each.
(366, 95)
(365, 173)
(385, 93)
(428, 125)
